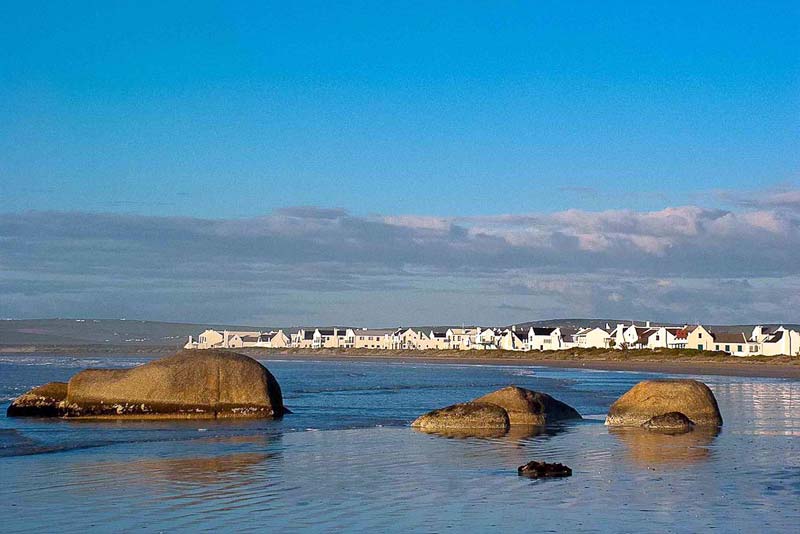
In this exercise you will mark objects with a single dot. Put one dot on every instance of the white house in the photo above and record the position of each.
(334, 338)
(781, 341)
(274, 340)
(303, 338)
(461, 338)
(209, 339)
(374, 338)
(699, 338)
(665, 337)
(592, 338)
(633, 337)
(544, 338)
(439, 340)
(486, 339)
(512, 340)
(735, 344)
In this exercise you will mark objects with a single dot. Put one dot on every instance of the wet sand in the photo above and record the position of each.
(745, 369)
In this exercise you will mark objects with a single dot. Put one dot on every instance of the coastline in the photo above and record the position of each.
(666, 361)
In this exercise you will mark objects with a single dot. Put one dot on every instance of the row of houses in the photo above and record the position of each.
(760, 341)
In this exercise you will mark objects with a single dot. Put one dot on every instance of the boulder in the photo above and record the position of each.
(544, 470)
(650, 398)
(469, 415)
(204, 384)
(43, 401)
(526, 407)
(669, 423)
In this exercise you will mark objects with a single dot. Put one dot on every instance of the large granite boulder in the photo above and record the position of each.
(526, 407)
(190, 384)
(48, 400)
(469, 415)
(651, 398)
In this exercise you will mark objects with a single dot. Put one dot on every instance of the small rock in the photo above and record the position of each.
(544, 470)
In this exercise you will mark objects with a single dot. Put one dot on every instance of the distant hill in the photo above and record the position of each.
(101, 331)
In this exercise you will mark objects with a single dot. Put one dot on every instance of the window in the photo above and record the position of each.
(700, 335)
(727, 348)
(700, 347)
(739, 348)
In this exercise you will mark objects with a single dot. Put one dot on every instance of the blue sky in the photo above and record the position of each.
(222, 110)
(454, 113)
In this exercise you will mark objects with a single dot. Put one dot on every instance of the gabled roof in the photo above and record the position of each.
(568, 331)
(774, 338)
(647, 333)
(375, 332)
(730, 337)
(542, 331)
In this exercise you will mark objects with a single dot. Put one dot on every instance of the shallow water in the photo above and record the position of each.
(347, 459)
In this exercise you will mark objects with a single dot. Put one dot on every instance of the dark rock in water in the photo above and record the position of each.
(544, 470)
(469, 415)
(48, 400)
(672, 422)
(204, 384)
(650, 398)
(526, 407)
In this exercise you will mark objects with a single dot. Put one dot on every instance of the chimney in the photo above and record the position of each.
(647, 324)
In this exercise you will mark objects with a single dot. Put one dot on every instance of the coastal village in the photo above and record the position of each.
(760, 341)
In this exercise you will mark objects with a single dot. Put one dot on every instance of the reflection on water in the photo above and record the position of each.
(464, 433)
(203, 468)
(647, 448)
(366, 470)
(194, 470)
(514, 433)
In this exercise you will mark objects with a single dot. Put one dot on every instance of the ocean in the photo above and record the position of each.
(347, 460)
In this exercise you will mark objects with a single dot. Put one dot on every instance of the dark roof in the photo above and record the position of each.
(250, 338)
(730, 337)
(542, 331)
(308, 334)
(569, 331)
(774, 338)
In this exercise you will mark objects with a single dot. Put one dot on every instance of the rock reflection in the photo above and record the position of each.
(527, 432)
(519, 433)
(196, 469)
(645, 448)
(464, 433)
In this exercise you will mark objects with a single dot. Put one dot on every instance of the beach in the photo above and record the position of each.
(673, 362)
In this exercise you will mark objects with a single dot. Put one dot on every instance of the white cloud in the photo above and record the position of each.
(568, 262)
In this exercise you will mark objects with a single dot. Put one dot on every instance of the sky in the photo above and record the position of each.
(399, 162)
